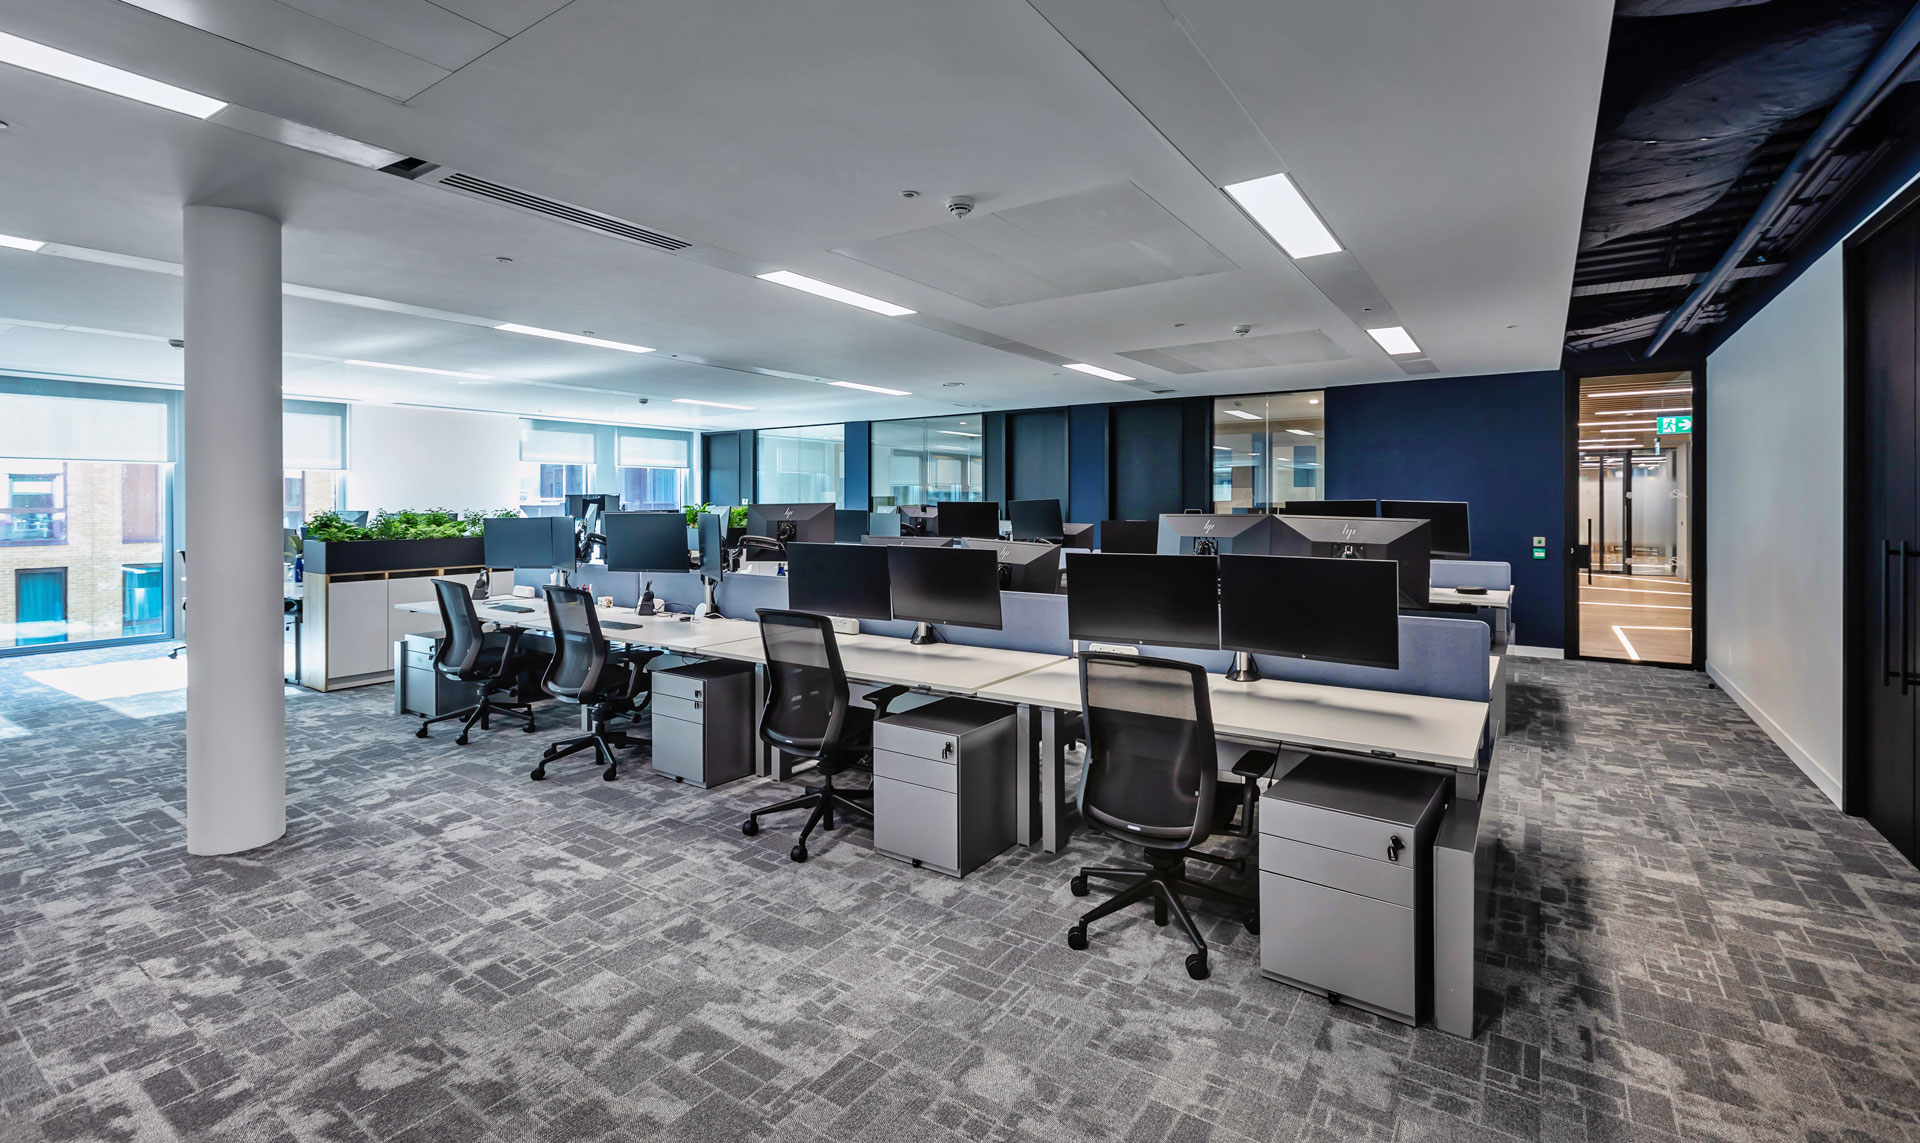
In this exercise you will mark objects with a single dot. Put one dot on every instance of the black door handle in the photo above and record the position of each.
(1906, 628)
(1887, 621)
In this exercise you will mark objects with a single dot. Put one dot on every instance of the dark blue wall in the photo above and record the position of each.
(1037, 456)
(1087, 463)
(1496, 442)
(857, 487)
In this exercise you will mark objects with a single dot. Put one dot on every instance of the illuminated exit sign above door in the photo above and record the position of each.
(1674, 426)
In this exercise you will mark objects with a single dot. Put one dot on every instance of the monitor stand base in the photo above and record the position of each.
(923, 635)
(1244, 670)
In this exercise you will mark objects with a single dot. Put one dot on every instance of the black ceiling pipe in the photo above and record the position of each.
(1881, 75)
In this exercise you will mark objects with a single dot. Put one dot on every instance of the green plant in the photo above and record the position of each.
(404, 524)
(694, 512)
(737, 516)
(295, 545)
(329, 527)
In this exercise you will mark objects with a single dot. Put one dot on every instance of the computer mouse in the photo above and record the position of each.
(1471, 590)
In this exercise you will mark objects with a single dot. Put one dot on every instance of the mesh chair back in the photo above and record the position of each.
(806, 688)
(1150, 752)
(579, 650)
(461, 647)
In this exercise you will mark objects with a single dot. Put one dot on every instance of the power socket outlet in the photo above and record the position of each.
(846, 626)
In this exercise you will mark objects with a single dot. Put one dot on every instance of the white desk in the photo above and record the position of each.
(1443, 733)
(950, 668)
(666, 632)
(1499, 599)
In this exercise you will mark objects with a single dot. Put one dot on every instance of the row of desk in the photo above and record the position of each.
(1434, 732)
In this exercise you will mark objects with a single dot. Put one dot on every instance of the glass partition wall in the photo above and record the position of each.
(1268, 450)
(805, 465)
(927, 460)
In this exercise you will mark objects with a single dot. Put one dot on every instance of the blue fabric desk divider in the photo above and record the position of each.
(681, 590)
(740, 596)
(1490, 574)
(1029, 621)
(1442, 658)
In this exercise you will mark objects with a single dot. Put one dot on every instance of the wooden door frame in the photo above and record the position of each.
(1696, 368)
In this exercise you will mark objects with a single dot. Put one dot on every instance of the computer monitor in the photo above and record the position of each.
(1337, 611)
(917, 520)
(908, 541)
(712, 531)
(1161, 601)
(529, 542)
(1036, 520)
(1138, 537)
(956, 586)
(977, 518)
(588, 508)
(848, 580)
(1024, 566)
(1338, 537)
(1211, 534)
(646, 541)
(1451, 536)
(790, 523)
(1347, 508)
(882, 524)
(849, 524)
(1077, 536)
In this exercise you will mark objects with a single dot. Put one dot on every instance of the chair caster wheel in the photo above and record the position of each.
(1197, 966)
(1252, 923)
(420, 733)
(460, 741)
(1077, 938)
(1077, 886)
(798, 854)
(677, 779)
(527, 729)
(610, 775)
(539, 774)
(750, 827)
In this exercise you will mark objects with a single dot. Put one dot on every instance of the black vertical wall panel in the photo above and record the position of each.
(1037, 456)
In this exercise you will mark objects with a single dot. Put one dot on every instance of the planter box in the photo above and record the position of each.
(353, 557)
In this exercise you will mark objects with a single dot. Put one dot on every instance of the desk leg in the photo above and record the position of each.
(1053, 780)
(764, 760)
(1025, 828)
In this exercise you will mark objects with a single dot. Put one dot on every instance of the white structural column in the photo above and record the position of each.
(236, 707)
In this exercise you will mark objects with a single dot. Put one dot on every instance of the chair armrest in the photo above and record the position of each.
(882, 697)
(1256, 764)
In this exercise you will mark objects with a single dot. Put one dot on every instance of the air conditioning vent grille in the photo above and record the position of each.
(565, 213)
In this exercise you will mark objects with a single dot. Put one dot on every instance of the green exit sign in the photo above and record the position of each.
(1673, 426)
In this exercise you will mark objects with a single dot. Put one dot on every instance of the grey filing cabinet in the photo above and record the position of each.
(943, 784)
(703, 722)
(1346, 898)
(421, 689)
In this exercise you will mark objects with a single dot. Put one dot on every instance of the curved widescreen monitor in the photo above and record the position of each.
(1307, 607)
(1157, 601)
(1450, 536)
(955, 586)
(848, 580)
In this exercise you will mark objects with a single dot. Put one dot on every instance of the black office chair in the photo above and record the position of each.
(470, 653)
(809, 716)
(585, 672)
(1150, 781)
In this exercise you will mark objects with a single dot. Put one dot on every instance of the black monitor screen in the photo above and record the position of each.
(1332, 508)
(645, 541)
(712, 530)
(848, 580)
(1140, 537)
(1162, 601)
(960, 586)
(1339, 611)
(1036, 520)
(977, 518)
(528, 542)
(849, 524)
(790, 523)
(1447, 518)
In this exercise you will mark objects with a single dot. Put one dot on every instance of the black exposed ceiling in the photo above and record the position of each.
(1705, 105)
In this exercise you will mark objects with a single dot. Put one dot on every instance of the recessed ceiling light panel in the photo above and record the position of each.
(1395, 340)
(1243, 414)
(27, 244)
(871, 388)
(712, 404)
(837, 293)
(1096, 371)
(420, 369)
(576, 338)
(104, 77)
(1277, 207)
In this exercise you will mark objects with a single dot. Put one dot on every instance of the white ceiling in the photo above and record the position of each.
(1446, 144)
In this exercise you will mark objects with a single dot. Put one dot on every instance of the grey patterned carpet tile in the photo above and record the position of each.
(1689, 943)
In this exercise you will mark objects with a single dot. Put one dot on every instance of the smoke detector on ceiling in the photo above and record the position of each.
(960, 205)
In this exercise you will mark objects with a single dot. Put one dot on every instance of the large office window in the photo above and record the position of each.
(655, 470)
(806, 465)
(84, 495)
(929, 459)
(556, 461)
(313, 447)
(1268, 450)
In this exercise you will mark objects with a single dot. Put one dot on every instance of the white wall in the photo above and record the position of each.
(1774, 425)
(431, 458)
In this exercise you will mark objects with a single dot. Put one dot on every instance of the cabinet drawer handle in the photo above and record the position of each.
(946, 750)
(1394, 846)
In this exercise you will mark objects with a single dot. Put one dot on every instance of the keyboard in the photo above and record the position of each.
(613, 625)
(510, 607)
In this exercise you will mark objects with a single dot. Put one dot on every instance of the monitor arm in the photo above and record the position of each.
(761, 544)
